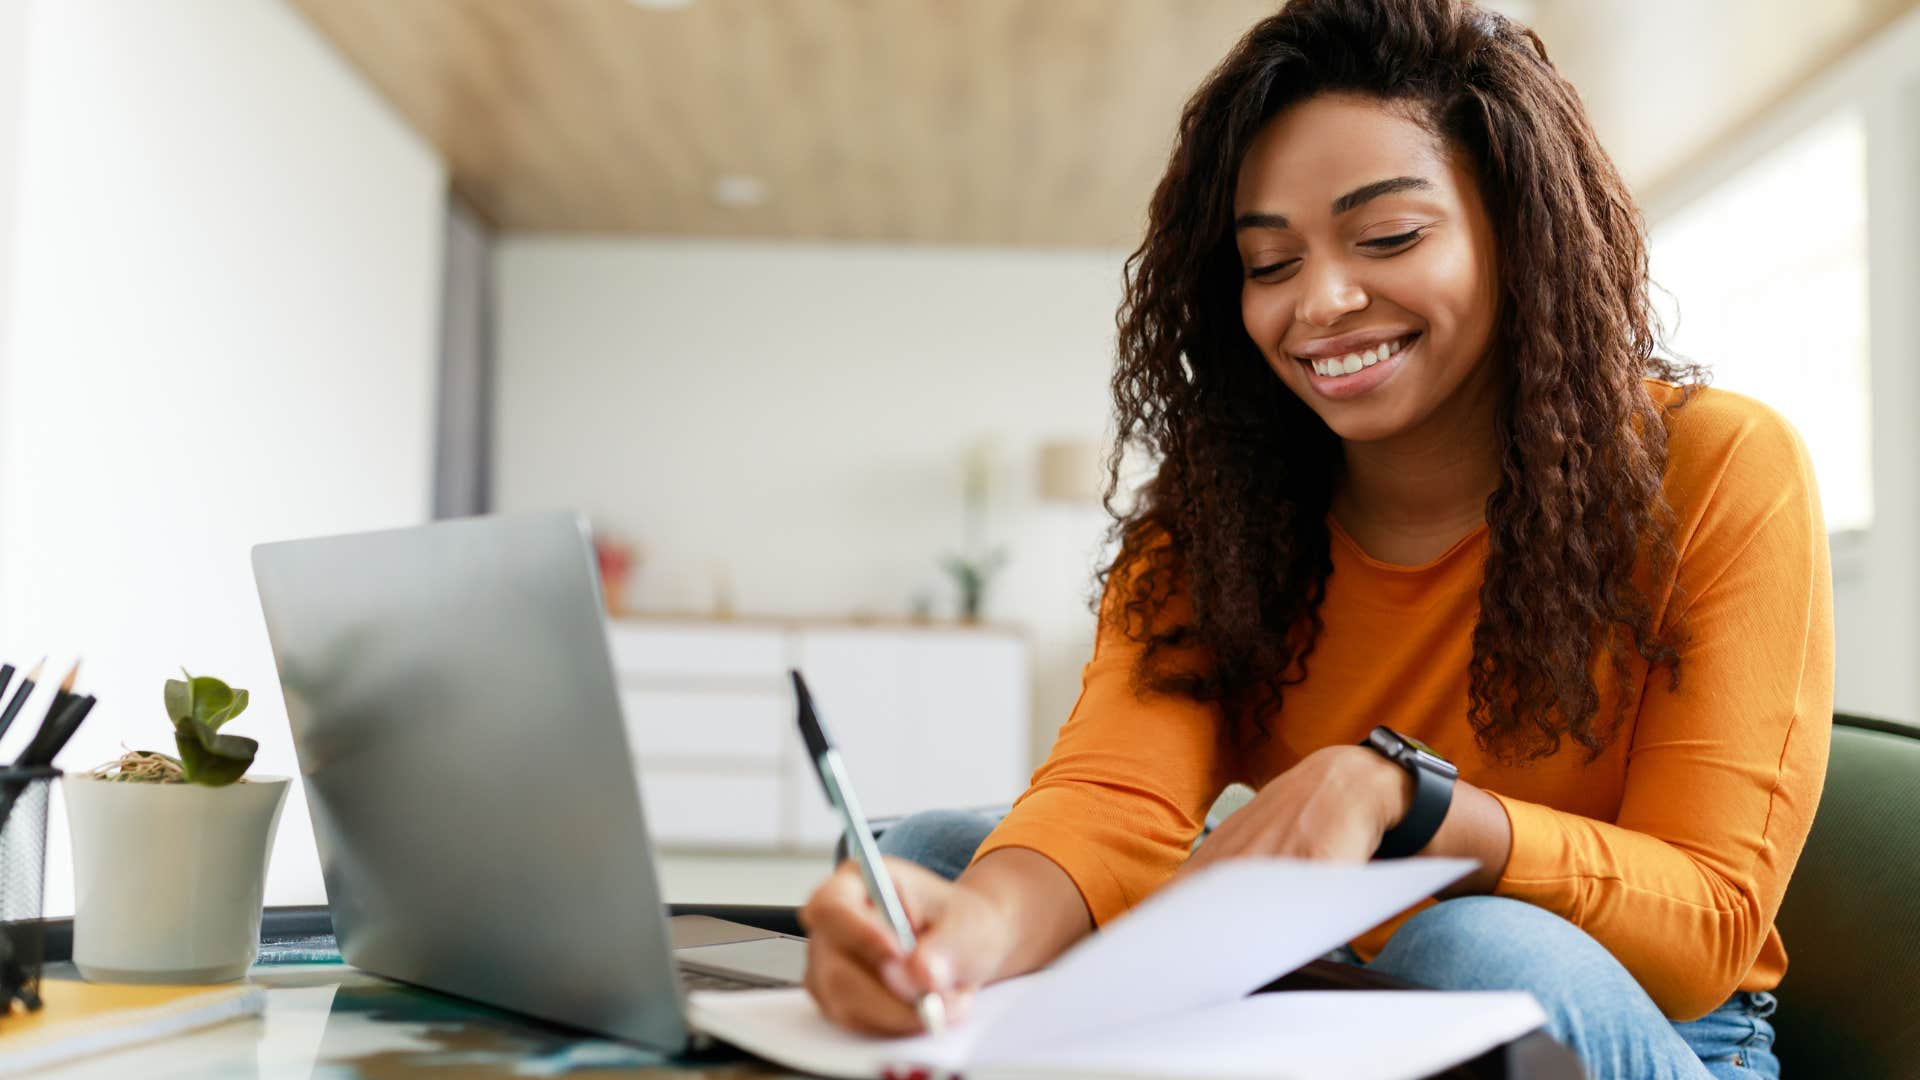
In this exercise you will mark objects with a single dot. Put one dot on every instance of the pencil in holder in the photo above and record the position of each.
(25, 794)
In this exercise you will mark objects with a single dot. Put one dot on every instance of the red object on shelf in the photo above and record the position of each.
(616, 561)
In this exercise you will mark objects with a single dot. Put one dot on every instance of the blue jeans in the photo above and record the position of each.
(1593, 1004)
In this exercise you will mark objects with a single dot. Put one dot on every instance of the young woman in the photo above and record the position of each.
(1419, 468)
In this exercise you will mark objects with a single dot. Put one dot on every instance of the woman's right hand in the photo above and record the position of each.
(856, 970)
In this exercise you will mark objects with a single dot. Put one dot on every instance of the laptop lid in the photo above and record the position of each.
(472, 791)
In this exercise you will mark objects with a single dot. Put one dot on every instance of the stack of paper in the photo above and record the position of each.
(1164, 991)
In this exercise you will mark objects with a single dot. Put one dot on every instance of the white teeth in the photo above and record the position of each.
(1352, 362)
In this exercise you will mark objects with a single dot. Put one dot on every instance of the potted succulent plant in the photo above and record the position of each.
(170, 853)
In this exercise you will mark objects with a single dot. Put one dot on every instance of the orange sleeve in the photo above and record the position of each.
(1119, 801)
(1724, 773)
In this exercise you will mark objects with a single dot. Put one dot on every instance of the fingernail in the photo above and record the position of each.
(894, 974)
(940, 970)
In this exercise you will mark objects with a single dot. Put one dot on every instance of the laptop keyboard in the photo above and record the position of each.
(701, 980)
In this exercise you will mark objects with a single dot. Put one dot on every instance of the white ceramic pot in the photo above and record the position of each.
(168, 878)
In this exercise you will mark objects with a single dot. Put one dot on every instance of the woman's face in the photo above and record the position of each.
(1371, 277)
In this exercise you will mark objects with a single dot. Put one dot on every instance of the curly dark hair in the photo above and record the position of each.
(1236, 515)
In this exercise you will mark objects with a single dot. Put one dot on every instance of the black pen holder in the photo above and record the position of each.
(25, 794)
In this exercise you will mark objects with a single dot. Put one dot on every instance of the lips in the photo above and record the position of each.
(1348, 358)
(1330, 380)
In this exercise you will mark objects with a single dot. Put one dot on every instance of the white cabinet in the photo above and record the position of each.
(925, 717)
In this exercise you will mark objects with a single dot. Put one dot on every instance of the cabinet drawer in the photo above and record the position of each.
(690, 651)
(746, 723)
(711, 809)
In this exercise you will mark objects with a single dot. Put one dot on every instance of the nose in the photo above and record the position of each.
(1328, 292)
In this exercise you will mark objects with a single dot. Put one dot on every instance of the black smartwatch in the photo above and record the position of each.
(1433, 778)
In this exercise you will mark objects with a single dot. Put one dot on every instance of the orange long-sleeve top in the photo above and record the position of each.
(1672, 848)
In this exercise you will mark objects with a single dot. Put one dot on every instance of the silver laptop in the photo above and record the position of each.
(473, 795)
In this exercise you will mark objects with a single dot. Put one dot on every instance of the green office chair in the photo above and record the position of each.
(1850, 1003)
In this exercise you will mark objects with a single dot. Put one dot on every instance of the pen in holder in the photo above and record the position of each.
(24, 797)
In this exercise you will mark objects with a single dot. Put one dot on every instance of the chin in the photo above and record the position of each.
(1371, 420)
(1363, 424)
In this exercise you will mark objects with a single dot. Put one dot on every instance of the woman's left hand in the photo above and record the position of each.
(1333, 806)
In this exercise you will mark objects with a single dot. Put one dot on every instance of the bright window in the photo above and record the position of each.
(1769, 274)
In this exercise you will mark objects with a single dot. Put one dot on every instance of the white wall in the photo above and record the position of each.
(225, 317)
(794, 418)
(13, 85)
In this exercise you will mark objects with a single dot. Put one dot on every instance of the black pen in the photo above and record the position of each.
(833, 777)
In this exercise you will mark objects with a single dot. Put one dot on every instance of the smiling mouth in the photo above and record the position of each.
(1338, 366)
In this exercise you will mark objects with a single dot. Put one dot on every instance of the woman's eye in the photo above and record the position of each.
(1385, 243)
(1270, 268)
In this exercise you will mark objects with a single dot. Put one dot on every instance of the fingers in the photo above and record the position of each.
(857, 972)
(841, 912)
(853, 996)
(961, 950)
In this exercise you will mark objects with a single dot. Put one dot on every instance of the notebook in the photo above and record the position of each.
(80, 1018)
(1165, 991)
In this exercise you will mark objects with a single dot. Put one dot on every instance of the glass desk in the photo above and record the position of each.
(328, 1021)
(334, 1022)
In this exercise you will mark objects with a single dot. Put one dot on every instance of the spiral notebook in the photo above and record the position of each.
(1167, 990)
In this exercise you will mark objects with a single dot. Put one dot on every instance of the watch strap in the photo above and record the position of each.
(1432, 797)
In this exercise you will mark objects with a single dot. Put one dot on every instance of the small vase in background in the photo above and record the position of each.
(975, 566)
(616, 558)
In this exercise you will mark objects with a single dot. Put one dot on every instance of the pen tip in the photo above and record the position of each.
(66, 684)
(34, 675)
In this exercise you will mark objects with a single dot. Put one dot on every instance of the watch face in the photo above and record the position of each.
(1411, 751)
(1420, 746)
(1436, 762)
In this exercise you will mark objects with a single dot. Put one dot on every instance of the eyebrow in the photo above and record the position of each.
(1350, 201)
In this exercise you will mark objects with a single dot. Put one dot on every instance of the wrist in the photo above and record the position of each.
(1392, 789)
(1423, 808)
(1025, 911)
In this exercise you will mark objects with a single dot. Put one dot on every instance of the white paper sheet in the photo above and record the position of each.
(1305, 1035)
(1215, 937)
(785, 1026)
(1202, 944)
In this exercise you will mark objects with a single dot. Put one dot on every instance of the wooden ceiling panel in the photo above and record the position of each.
(1002, 122)
(1025, 122)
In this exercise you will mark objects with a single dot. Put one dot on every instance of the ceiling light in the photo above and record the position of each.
(738, 191)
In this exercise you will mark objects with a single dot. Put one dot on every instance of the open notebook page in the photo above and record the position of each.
(1212, 938)
(784, 1025)
(1216, 936)
(1300, 1035)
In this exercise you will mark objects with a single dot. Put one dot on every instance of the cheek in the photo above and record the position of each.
(1265, 316)
(1447, 293)
(1267, 320)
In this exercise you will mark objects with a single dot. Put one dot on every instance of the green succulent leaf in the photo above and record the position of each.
(214, 760)
(179, 697)
(214, 702)
(198, 706)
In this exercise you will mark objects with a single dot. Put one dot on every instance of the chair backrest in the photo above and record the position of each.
(1850, 1002)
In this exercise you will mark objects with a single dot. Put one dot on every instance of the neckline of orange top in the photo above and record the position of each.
(1438, 562)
